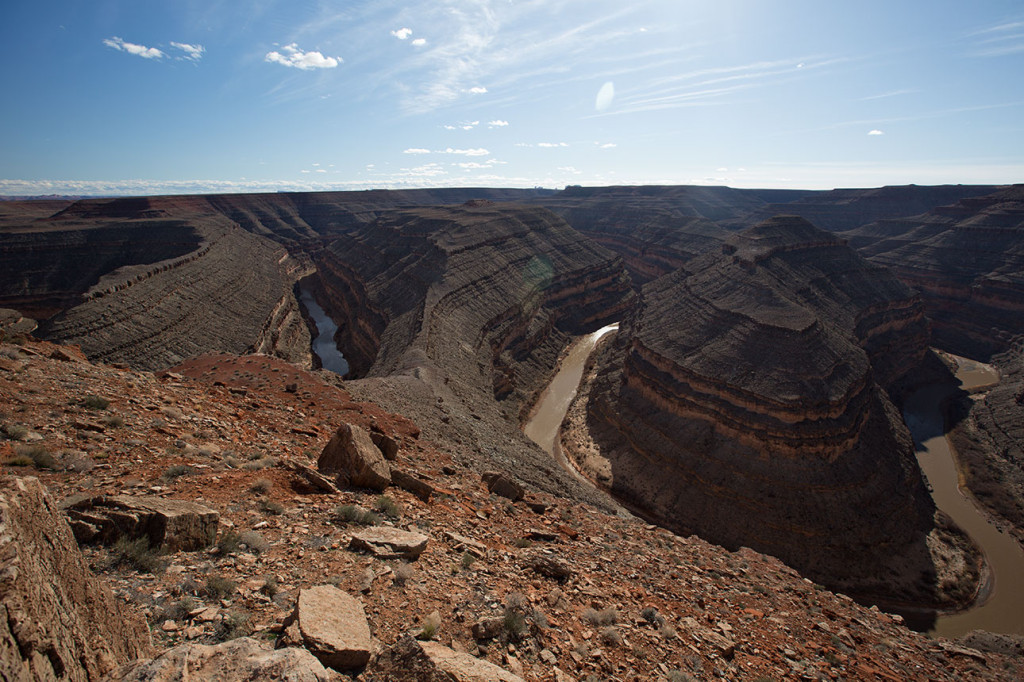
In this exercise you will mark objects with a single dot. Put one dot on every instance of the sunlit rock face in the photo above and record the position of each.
(967, 260)
(746, 401)
(487, 293)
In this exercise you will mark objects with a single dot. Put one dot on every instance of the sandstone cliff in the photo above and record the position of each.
(967, 260)
(746, 402)
(58, 621)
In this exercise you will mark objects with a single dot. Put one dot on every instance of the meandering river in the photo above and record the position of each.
(1003, 609)
(324, 345)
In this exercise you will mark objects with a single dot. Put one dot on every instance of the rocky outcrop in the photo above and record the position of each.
(57, 621)
(354, 459)
(238, 659)
(746, 402)
(167, 524)
(967, 260)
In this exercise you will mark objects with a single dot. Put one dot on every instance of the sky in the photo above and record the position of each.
(186, 96)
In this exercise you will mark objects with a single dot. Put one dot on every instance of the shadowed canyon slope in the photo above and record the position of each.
(967, 260)
(745, 400)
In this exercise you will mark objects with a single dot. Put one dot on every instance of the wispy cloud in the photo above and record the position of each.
(416, 150)
(133, 48)
(192, 53)
(465, 152)
(552, 144)
(999, 40)
(477, 90)
(462, 125)
(497, 123)
(891, 93)
(291, 55)
(402, 33)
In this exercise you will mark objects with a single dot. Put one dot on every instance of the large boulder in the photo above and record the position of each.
(332, 625)
(239, 659)
(56, 620)
(169, 524)
(386, 542)
(409, 659)
(355, 460)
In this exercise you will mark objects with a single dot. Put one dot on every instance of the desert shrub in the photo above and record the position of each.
(430, 626)
(19, 461)
(236, 624)
(467, 560)
(270, 507)
(261, 463)
(176, 471)
(230, 542)
(667, 631)
(523, 543)
(136, 553)
(114, 421)
(388, 507)
(95, 402)
(253, 542)
(177, 610)
(651, 615)
(514, 624)
(270, 586)
(679, 676)
(608, 616)
(611, 636)
(15, 431)
(219, 587)
(261, 486)
(350, 513)
(403, 573)
(38, 455)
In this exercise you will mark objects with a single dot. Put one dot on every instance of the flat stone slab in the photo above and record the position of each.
(332, 626)
(409, 659)
(389, 543)
(169, 524)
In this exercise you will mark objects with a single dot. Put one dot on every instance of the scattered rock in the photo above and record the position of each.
(417, 487)
(169, 524)
(332, 625)
(239, 659)
(409, 659)
(352, 455)
(387, 445)
(550, 566)
(309, 478)
(385, 542)
(488, 628)
(504, 485)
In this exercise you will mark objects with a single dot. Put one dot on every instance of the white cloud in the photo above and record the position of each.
(605, 96)
(552, 144)
(607, 145)
(192, 52)
(875, 132)
(477, 90)
(569, 169)
(416, 150)
(132, 48)
(498, 123)
(402, 33)
(419, 42)
(466, 152)
(291, 55)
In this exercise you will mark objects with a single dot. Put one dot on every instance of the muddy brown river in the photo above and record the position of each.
(1002, 610)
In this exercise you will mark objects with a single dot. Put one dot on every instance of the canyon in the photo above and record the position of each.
(752, 393)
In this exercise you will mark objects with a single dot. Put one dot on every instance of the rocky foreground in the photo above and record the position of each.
(454, 575)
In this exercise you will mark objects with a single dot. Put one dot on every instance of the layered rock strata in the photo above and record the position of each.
(746, 402)
(967, 260)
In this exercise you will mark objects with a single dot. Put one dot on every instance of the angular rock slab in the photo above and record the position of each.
(386, 542)
(332, 626)
(504, 485)
(353, 457)
(169, 524)
(239, 659)
(433, 662)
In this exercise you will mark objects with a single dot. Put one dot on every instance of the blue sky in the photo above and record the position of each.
(140, 96)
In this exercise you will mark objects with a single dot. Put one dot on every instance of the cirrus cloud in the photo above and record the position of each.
(193, 53)
(291, 55)
(133, 48)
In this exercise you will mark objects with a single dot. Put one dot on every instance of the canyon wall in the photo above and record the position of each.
(745, 401)
(967, 260)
